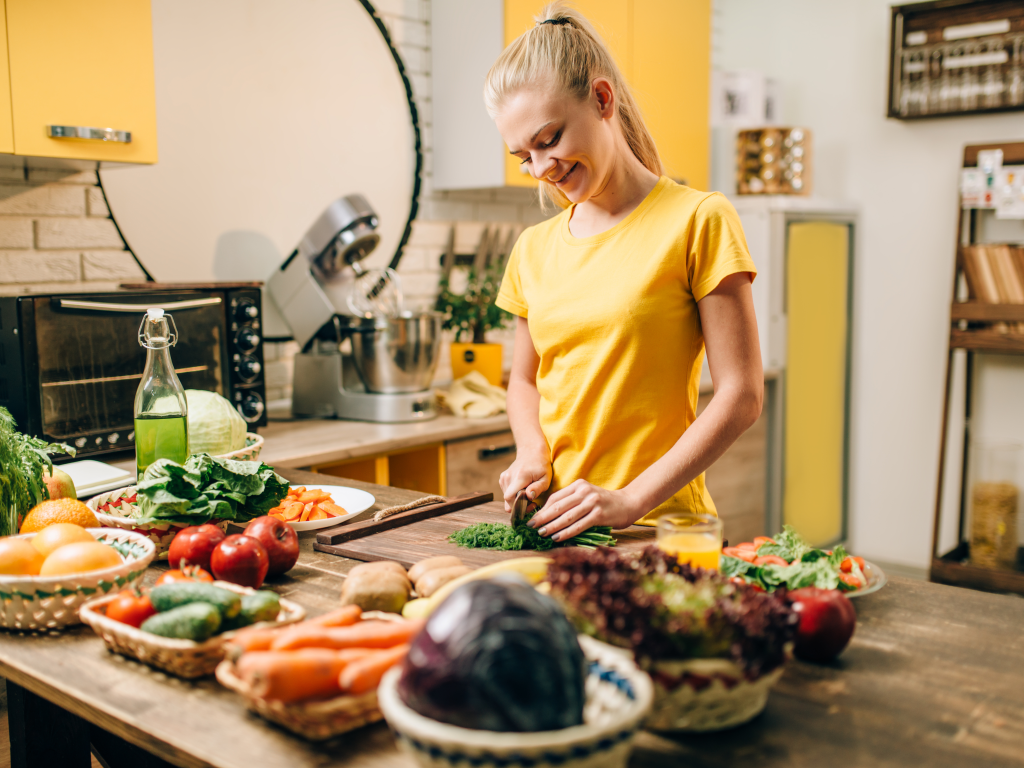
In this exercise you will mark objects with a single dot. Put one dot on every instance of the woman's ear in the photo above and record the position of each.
(604, 96)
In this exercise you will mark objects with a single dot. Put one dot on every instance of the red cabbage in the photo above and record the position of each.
(496, 656)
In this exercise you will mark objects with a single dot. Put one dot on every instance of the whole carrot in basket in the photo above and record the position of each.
(339, 617)
(365, 634)
(261, 638)
(363, 675)
(290, 676)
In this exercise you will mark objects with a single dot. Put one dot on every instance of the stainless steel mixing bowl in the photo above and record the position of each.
(396, 354)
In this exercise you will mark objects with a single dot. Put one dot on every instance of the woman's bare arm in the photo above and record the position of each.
(734, 356)
(532, 466)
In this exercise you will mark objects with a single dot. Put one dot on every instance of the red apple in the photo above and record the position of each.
(827, 620)
(241, 560)
(194, 546)
(279, 539)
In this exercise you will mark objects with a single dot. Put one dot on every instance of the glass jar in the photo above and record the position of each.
(995, 494)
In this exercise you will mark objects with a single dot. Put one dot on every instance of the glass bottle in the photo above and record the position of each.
(161, 413)
(995, 494)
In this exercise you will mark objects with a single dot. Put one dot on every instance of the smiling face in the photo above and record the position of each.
(567, 142)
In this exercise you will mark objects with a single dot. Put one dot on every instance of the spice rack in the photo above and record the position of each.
(976, 327)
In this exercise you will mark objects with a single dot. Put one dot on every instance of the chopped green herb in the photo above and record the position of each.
(505, 537)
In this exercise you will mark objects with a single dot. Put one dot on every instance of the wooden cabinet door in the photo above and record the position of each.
(6, 124)
(475, 463)
(613, 21)
(671, 75)
(82, 65)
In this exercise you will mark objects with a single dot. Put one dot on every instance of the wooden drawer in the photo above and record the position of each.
(475, 463)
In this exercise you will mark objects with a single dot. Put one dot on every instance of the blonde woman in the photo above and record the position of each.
(617, 298)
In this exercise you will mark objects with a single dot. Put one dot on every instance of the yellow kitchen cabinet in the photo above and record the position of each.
(663, 48)
(80, 68)
(422, 468)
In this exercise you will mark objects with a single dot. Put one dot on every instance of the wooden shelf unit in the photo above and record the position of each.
(971, 330)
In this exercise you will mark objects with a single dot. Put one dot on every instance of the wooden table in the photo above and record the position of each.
(934, 676)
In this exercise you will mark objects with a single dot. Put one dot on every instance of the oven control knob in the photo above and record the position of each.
(99, 441)
(247, 339)
(246, 311)
(113, 437)
(80, 442)
(248, 368)
(251, 406)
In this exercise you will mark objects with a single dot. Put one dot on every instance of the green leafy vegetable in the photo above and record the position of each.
(505, 537)
(808, 567)
(206, 488)
(23, 460)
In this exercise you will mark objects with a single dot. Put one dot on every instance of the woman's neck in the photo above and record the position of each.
(627, 185)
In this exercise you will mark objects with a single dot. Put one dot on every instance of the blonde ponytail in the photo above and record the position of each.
(563, 44)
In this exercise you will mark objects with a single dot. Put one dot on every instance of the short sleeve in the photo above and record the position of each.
(718, 247)
(510, 295)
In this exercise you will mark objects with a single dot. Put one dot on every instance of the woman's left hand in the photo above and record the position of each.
(582, 505)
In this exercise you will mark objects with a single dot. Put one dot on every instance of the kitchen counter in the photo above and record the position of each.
(932, 677)
(307, 442)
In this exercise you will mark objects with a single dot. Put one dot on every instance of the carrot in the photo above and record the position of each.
(339, 617)
(255, 639)
(365, 634)
(363, 675)
(289, 676)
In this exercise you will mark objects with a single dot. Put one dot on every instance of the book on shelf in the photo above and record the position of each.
(995, 275)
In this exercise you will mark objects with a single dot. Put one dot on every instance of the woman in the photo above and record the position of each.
(617, 298)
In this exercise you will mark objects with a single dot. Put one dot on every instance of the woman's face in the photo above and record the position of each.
(567, 142)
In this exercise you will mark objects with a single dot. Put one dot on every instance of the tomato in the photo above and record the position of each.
(759, 540)
(770, 560)
(188, 573)
(847, 565)
(130, 607)
(851, 581)
(746, 545)
(743, 554)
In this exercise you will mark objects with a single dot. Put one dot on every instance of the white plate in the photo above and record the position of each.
(353, 500)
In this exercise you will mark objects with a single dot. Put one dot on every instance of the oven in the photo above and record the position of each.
(70, 364)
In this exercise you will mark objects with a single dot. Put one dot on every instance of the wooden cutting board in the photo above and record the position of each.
(429, 538)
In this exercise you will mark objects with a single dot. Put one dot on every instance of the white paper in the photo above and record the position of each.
(1009, 192)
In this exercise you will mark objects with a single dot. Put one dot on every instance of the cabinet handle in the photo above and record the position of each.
(489, 454)
(109, 306)
(85, 132)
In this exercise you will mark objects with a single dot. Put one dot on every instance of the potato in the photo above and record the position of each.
(436, 578)
(377, 566)
(376, 590)
(441, 561)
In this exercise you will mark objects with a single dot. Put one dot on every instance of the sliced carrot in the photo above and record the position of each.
(318, 514)
(365, 634)
(296, 490)
(363, 675)
(289, 676)
(333, 509)
(309, 496)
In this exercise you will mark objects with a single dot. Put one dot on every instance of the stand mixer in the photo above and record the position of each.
(372, 363)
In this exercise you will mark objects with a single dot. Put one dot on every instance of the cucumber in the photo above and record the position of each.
(194, 621)
(261, 606)
(169, 596)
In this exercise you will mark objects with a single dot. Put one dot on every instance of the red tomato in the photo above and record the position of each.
(759, 540)
(770, 560)
(188, 573)
(746, 545)
(130, 607)
(851, 581)
(743, 554)
(847, 565)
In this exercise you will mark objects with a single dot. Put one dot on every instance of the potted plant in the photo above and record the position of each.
(470, 314)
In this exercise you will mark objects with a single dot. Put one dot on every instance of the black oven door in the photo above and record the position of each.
(90, 361)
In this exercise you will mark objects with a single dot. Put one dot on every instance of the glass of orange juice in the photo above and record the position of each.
(694, 539)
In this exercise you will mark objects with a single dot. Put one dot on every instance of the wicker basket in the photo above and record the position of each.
(313, 720)
(618, 697)
(706, 695)
(53, 602)
(251, 451)
(182, 658)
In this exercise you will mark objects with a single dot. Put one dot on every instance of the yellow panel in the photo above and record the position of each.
(419, 469)
(359, 469)
(83, 64)
(815, 383)
(6, 123)
(671, 77)
(613, 20)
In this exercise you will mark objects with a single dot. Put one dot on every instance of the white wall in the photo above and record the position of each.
(831, 60)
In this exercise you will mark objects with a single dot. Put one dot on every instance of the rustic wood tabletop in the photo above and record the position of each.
(932, 677)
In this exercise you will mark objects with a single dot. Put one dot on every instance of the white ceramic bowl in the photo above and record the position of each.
(52, 602)
(619, 696)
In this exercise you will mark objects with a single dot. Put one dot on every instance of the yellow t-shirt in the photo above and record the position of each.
(614, 321)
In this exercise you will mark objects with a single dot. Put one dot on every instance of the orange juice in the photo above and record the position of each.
(701, 550)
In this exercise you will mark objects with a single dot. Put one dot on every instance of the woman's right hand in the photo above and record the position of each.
(529, 472)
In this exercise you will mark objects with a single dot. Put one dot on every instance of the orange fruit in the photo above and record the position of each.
(58, 511)
(19, 558)
(80, 557)
(59, 535)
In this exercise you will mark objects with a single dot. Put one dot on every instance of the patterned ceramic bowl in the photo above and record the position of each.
(52, 602)
(618, 697)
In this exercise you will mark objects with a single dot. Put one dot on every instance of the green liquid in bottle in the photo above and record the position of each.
(160, 437)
